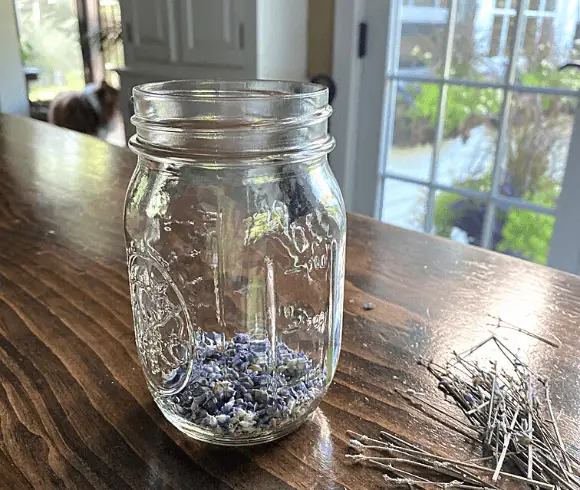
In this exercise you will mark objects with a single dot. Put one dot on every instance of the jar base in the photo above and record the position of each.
(204, 435)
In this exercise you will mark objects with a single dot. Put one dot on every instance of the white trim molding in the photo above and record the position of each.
(564, 251)
(13, 95)
(346, 74)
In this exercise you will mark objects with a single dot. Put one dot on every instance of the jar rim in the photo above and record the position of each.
(235, 90)
(263, 120)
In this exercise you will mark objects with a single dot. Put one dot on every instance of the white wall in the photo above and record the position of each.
(13, 97)
(283, 39)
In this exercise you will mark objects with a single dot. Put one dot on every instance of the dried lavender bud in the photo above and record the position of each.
(236, 387)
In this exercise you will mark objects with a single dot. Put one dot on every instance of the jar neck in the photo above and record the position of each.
(231, 123)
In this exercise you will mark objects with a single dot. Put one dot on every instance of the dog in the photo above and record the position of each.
(90, 111)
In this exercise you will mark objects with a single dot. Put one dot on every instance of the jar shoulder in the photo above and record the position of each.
(243, 199)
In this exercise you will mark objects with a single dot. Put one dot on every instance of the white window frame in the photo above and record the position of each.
(424, 15)
(363, 123)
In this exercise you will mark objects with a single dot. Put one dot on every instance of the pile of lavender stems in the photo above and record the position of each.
(508, 412)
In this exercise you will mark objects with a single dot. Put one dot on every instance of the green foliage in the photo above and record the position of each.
(547, 74)
(26, 52)
(527, 232)
(480, 104)
(54, 39)
(462, 103)
(444, 216)
(50, 41)
(536, 126)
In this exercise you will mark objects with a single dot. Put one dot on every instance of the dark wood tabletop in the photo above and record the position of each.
(75, 411)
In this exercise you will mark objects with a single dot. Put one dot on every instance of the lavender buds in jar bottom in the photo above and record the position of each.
(240, 391)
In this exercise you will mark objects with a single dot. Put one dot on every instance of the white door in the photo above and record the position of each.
(213, 32)
(452, 118)
(150, 30)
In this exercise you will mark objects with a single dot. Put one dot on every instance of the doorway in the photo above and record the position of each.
(50, 47)
(66, 44)
(464, 120)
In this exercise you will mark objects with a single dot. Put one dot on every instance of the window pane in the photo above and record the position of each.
(414, 130)
(404, 204)
(537, 151)
(459, 218)
(422, 38)
(524, 234)
(550, 40)
(482, 43)
(542, 5)
(470, 137)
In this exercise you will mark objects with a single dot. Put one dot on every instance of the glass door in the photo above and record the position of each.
(50, 47)
(471, 138)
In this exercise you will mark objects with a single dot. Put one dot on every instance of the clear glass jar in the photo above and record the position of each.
(235, 232)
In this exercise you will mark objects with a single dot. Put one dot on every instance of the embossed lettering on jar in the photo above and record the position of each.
(235, 231)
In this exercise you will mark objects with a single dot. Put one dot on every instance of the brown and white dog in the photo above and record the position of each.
(90, 111)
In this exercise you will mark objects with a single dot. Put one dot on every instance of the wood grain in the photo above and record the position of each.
(74, 408)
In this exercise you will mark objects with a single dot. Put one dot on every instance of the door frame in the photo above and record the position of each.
(346, 72)
(357, 122)
(85, 26)
(564, 253)
(89, 24)
(363, 131)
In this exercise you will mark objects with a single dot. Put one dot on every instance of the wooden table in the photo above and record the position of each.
(74, 408)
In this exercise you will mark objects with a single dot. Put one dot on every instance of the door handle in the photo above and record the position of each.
(570, 64)
(328, 82)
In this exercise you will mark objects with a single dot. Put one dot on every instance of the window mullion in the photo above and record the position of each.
(390, 104)
(440, 127)
(532, 89)
(503, 131)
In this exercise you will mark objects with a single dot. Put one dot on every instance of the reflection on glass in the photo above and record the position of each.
(539, 136)
(525, 234)
(549, 40)
(470, 137)
(461, 218)
(515, 231)
(483, 39)
(414, 131)
(424, 23)
(484, 36)
(404, 204)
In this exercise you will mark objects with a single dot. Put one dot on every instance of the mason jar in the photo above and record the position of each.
(235, 234)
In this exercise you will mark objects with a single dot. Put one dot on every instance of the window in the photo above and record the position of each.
(424, 11)
(478, 120)
(539, 22)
